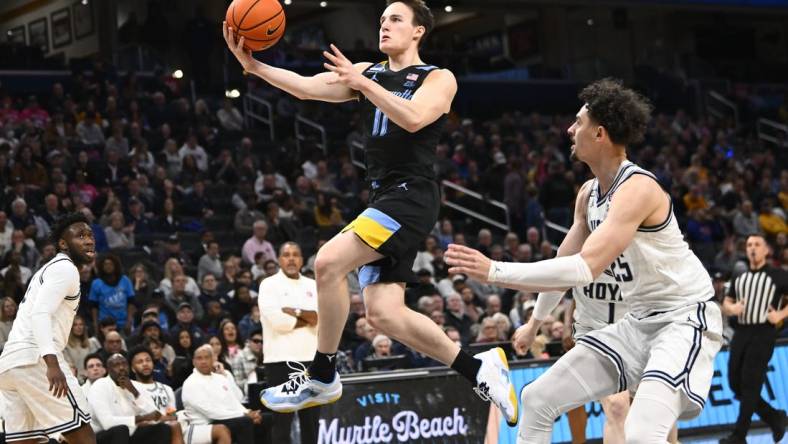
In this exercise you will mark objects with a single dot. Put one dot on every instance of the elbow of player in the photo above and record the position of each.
(413, 125)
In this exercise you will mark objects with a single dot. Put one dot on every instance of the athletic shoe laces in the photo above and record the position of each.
(298, 377)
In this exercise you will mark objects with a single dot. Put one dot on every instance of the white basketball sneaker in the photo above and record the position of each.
(493, 384)
(300, 392)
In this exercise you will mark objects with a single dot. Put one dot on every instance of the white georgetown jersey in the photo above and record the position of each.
(59, 279)
(657, 272)
(598, 304)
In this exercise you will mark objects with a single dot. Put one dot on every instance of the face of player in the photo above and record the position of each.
(78, 242)
(95, 369)
(142, 366)
(397, 31)
(583, 132)
(291, 261)
(757, 250)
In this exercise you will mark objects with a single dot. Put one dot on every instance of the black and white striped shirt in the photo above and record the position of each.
(759, 289)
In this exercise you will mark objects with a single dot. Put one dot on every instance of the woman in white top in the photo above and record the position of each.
(8, 309)
(174, 268)
(78, 346)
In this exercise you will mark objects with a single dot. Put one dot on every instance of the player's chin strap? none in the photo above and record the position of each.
(561, 272)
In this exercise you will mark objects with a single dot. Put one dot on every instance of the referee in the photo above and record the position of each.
(755, 298)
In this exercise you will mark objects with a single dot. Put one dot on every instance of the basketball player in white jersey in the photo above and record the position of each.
(596, 305)
(665, 346)
(43, 397)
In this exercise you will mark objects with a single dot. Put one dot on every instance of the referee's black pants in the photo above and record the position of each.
(275, 374)
(750, 352)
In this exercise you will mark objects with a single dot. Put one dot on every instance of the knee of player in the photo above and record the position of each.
(328, 265)
(534, 401)
(378, 317)
(616, 409)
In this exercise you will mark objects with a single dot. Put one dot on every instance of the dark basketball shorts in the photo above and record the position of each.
(399, 217)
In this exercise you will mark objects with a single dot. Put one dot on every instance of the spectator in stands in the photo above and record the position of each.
(174, 268)
(142, 284)
(112, 293)
(94, 370)
(178, 295)
(6, 230)
(117, 400)
(557, 195)
(161, 365)
(488, 331)
(192, 148)
(8, 309)
(141, 223)
(258, 243)
(472, 304)
(229, 116)
(492, 306)
(210, 292)
(16, 274)
(185, 321)
(152, 329)
(78, 346)
(250, 357)
(113, 344)
(250, 322)
(327, 214)
(247, 216)
(119, 235)
(456, 317)
(23, 218)
(771, 219)
(210, 262)
(182, 366)
(32, 173)
(228, 334)
(197, 203)
(168, 221)
(219, 351)
(745, 221)
(89, 130)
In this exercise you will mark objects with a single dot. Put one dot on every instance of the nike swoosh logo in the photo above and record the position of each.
(273, 31)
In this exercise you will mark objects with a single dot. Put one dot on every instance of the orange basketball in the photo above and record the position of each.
(260, 22)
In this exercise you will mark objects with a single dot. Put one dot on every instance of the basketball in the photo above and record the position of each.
(261, 22)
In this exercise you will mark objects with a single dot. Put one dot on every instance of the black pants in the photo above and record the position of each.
(115, 435)
(241, 429)
(751, 349)
(275, 374)
(158, 433)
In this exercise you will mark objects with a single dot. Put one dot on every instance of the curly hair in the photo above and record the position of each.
(623, 112)
(62, 225)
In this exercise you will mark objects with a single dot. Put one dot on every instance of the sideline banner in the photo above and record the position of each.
(434, 409)
(440, 407)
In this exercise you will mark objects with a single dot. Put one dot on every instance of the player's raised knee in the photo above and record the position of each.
(616, 409)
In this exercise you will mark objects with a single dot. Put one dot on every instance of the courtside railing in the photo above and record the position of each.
(257, 109)
(302, 124)
(773, 132)
(719, 106)
(504, 224)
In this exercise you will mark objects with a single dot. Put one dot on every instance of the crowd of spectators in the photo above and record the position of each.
(189, 209)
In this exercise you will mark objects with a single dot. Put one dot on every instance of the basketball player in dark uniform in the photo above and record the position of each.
(405, 103)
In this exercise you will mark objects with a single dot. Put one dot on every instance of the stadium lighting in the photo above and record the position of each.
(288, 2)
(448, 8)
(323, 4)
(84, 2)
(232, 93)
(178, 74)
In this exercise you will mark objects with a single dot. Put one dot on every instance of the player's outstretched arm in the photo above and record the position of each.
(432, 99)
(636, 201)
(317, 87)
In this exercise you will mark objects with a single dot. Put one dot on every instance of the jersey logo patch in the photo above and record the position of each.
(412, 76)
